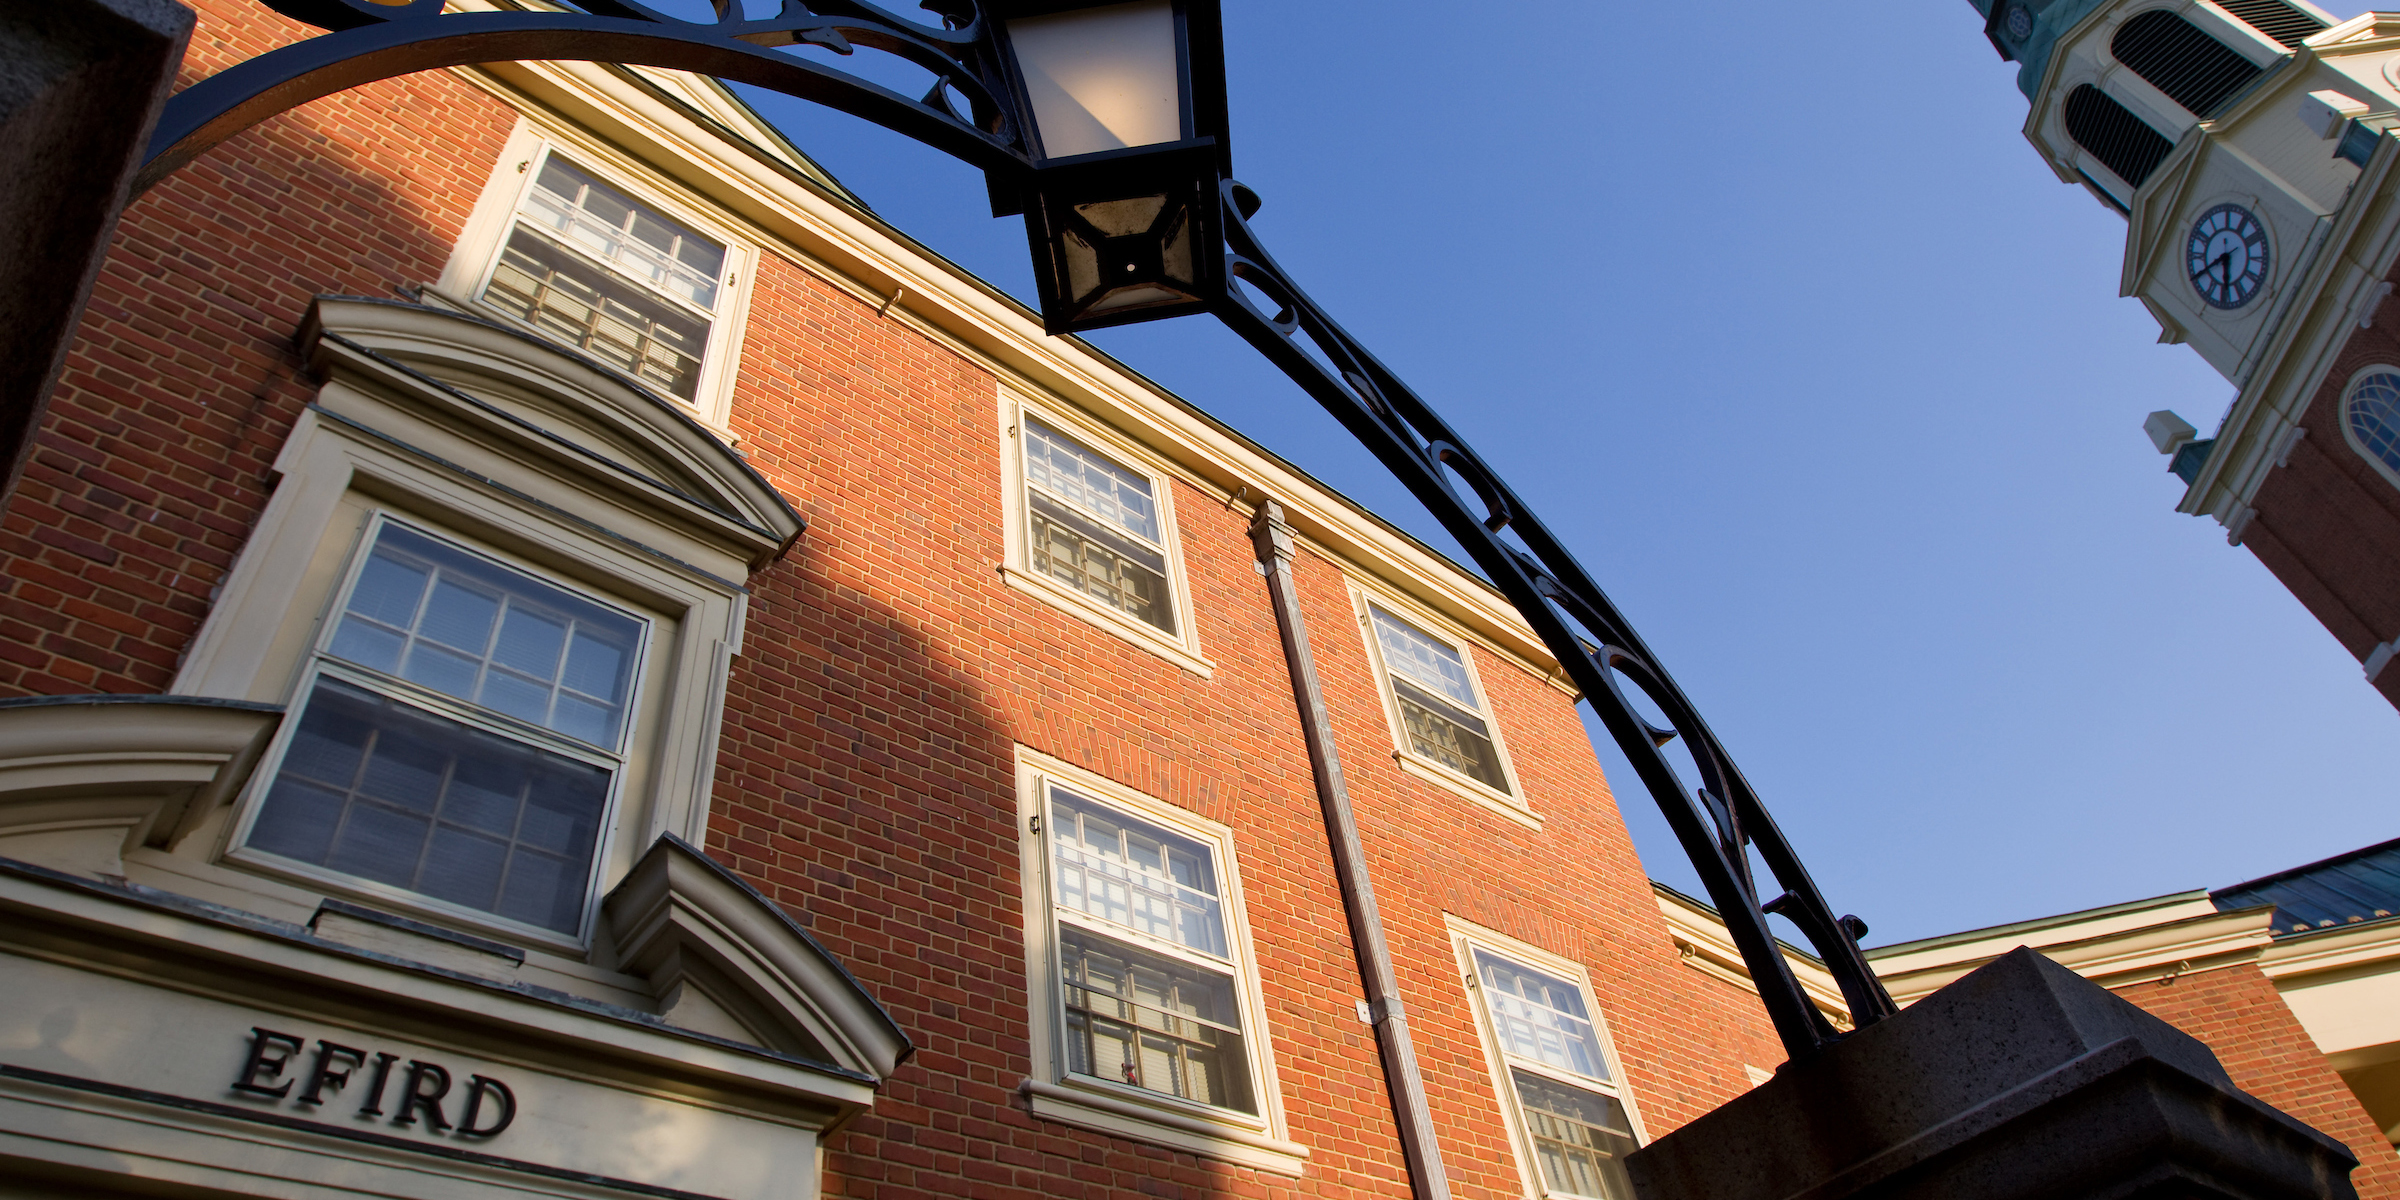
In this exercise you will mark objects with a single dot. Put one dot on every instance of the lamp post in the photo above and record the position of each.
(1105, 125)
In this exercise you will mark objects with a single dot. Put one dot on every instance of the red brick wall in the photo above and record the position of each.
(866, 781)
(151, 466)
(2236, 1011)
(2328, 524)
(869, 785)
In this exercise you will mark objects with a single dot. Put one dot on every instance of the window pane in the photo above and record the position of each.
(1539, 1016)
(450, 644)
(1135, 875)
(599, 312)
(1580, 1137)
(1079, 475)
(1410, 651)
(1447, 736)
(383, 791)
(627, 234)
(1153, 1022)
(1107, 566)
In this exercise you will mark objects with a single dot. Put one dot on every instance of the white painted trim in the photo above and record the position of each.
(477, 252)
(1016, 567)
(1105, 1105)
(855, 253)
(1465, 938)
(2341, 416)
(1704, 945)
(1513, 804)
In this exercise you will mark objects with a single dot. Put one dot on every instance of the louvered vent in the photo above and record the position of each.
(2274, 18)
(2198, 71)
(2111, 133)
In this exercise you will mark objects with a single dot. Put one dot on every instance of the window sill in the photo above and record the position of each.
(1489, 797)
(1093, 1109)
(1074, 604)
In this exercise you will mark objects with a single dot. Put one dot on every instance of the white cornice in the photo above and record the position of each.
(860, 255)
(2374, 944)
(1701, 940)
(2106, 950)
(2356, 251)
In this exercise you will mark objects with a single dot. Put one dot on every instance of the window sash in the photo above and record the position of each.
(1082, 478)
(1420, 656)
(375, 788)
(599, 311)
(1580, 1137)
(1097, 562)
(1153, 1022)
(688, 270)
(1540, 1017)
(1111, 886)
(458, 749)
(1441, 732)
(1152, 994)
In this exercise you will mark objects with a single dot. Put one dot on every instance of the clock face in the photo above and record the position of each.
(2019, 22)
(2226, 255)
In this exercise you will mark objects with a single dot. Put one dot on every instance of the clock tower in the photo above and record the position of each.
(2249, 146)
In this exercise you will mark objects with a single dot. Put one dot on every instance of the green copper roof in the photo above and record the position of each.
(2041, 24)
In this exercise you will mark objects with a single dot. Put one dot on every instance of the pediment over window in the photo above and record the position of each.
(566, 415)
(83, 779)
(723, 959)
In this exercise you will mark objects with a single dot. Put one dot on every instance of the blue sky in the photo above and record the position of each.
(1774, 316)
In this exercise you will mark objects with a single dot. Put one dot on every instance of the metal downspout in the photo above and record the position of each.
(1273, 540)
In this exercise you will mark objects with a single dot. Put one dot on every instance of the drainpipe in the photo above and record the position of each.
(1273, 540)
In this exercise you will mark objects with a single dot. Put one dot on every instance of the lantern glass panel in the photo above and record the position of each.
(1101, 78)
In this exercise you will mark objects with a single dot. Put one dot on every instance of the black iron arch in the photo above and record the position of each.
(1722, 825)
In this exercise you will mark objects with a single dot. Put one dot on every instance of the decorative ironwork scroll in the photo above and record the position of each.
(1721, 824)
(368, 41)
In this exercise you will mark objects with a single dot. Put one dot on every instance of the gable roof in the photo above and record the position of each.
(2352, 888)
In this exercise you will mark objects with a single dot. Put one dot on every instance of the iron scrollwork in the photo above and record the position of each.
(962, 114)
(1720, 824)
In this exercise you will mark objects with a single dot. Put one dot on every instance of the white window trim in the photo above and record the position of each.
(1511, 804)
(2341, 415)
(1465, 938)
(478, 250)
(383, 435)
(1108, 1107)
(321, 664)
(1016, 569)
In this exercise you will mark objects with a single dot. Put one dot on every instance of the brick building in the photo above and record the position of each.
(543, 649)
(2291, 978)
(2247, 144)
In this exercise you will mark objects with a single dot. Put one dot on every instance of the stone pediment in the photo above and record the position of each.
(2155, 224)
(535, 401)
(723, 959)
(83, 779)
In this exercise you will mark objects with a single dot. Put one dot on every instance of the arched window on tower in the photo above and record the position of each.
(2371, 418)
(2109, 131)
(2282, 23)
(2196, 70)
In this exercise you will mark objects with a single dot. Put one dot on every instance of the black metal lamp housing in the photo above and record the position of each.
(1124, 112)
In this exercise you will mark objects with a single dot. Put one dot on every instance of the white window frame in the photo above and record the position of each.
(495, 213)
(1105, 1105)
(2341, 414)
(1466, 938)
(1181, 647)
(1511, 803)
(322, 664)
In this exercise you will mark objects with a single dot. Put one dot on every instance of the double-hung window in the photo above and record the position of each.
(1095, 526)
(1439, 713)
(460, 739)
(1566, 1105)
(1150, 991)
(1146, 1010)
(589, 265)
